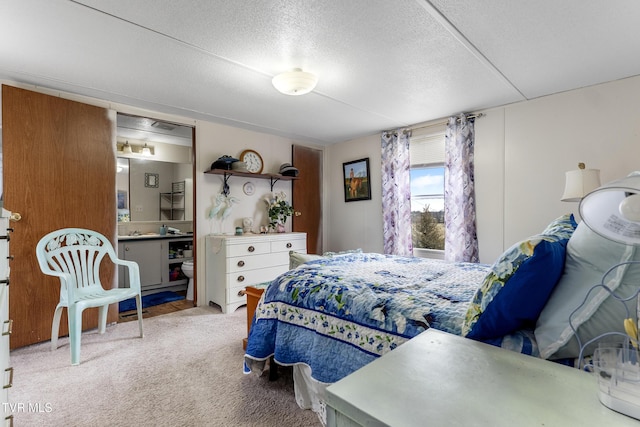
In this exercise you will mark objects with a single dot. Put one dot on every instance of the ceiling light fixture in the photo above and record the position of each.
(296, 82)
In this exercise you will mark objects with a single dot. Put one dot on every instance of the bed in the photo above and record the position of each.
(333, 314)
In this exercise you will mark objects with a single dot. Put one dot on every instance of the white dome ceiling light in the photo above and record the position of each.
(296, 82)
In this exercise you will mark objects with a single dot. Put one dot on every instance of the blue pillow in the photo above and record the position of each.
(519, 284)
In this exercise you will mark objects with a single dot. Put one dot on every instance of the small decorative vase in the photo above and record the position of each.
(280, 228)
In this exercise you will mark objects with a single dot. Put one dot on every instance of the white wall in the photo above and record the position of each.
(548, 136)
(212, 141)
(356, 224)
(522, 153)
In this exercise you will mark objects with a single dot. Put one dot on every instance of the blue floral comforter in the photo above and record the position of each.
(337, 314)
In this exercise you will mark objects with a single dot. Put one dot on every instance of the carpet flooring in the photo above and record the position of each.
(186, 371)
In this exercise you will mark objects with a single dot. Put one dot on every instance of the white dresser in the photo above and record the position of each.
(7, 371)
(235, 262)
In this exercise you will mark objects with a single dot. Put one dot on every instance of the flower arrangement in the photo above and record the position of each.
(278, 209)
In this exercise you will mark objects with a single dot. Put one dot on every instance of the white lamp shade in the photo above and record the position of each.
(613, 210)
(579, 183)
(296, 82)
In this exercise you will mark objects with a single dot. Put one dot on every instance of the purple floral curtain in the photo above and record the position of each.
(461, 241)
(396, 193)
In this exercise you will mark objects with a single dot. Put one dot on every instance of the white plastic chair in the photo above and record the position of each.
(74, 255)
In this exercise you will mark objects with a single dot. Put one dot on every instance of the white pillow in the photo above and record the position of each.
(589, 256)
(297, 258)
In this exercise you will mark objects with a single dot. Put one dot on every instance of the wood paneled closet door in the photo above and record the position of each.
(307, 196)
(59, 167)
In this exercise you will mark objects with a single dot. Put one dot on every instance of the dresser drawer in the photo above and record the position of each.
(235, 295)
(251, 277)
(289, 245)
(236, 287)
(254, 262)
(254, 248)
(4, 258)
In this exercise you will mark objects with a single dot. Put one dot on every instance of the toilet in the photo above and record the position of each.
(187, 269)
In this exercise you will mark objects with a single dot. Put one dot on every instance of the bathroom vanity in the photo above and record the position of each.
(160, 259)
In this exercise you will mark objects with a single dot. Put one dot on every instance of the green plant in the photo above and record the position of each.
(427, 232)
(278, 209)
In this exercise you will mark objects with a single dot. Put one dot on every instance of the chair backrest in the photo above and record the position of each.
(74, 255)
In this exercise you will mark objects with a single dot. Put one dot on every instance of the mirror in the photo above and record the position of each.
(155, 176)
(151, 179)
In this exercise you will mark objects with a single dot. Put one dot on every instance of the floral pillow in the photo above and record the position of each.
(519, 284)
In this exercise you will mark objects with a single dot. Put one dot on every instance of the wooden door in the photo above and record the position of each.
(59, 168)
(307, 196)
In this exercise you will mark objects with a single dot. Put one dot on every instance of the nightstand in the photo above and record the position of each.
(442, 379)
(253, 294)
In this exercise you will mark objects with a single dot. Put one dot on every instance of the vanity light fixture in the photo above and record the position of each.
(296, 82)
(126, 148)
(146, 151)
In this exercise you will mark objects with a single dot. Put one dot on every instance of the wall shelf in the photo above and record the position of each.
(272, 177)
(172, 205)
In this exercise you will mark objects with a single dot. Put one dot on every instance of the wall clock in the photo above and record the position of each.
(248, 188)
(253, 161)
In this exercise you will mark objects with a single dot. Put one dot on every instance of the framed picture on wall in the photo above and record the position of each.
(357, 184)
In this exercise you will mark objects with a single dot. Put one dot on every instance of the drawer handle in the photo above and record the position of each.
(10, 328)
(240, 278)
(10, 378)
(4, 281)
(240, 263)
(251, 249)
(241, 293)
(289, 245)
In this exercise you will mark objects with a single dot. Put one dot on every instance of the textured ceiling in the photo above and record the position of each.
(381, 64)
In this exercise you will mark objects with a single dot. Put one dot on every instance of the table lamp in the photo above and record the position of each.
(580, 182)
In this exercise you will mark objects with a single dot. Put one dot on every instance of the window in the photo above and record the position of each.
(427, 192)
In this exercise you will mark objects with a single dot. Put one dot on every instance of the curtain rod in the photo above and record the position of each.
(443, 122)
